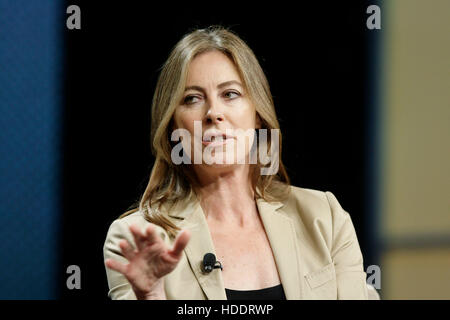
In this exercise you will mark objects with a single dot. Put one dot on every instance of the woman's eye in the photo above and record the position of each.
(231, 94)
(190, 99)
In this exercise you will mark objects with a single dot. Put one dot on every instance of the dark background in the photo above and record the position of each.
(317, 56)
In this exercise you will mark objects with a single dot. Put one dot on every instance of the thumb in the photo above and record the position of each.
(180, 243)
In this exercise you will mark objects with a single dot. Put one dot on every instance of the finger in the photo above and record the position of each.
(150, 234)
(127, 250)
(115, 265)
(180, 243)
(139, 238)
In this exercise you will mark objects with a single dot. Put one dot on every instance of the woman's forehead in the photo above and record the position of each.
(212, 67)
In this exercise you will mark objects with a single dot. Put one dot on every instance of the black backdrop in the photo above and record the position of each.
(317, 60)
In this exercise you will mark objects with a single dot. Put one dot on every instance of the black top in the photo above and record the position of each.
(272, 293)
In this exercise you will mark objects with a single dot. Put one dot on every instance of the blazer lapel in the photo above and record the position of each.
(281, 234)
(200, 243)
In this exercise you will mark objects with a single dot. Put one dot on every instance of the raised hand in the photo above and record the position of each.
(150, 262)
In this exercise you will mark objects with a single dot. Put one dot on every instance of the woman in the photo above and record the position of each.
(273, 240)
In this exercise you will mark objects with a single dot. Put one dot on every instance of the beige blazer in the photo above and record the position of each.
(313, 240)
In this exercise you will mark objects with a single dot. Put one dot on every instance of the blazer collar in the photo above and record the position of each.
(280, 232)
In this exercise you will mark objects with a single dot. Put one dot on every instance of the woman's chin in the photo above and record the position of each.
(218, 165)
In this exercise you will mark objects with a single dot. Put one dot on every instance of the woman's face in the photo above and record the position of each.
(216, 100)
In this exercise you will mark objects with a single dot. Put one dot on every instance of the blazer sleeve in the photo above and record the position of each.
(346, 254)
(119, 287)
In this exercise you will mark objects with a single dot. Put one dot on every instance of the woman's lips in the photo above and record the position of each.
(217, 142)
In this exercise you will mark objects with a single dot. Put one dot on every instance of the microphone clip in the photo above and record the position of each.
(210, 263)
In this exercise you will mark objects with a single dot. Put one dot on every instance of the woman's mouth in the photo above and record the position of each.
(216, 138)
(216, 141)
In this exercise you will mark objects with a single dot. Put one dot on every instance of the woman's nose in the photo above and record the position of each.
(214, 115)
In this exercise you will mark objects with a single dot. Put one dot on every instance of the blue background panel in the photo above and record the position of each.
(31, 84)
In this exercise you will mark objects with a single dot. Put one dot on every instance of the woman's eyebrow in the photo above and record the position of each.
(227, 83)
(194, 88)
(219, 86)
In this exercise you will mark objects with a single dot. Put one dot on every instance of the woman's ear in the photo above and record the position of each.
(258, 121)
(172, 125)
(172, 128)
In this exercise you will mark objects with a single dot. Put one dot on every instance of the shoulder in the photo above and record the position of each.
(120, 228)
(311, 204)
(307, 199)
(136, 218)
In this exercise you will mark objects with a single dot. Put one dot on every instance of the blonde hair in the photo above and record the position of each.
(170, 183)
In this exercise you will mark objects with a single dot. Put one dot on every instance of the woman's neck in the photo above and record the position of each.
(228, 197)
